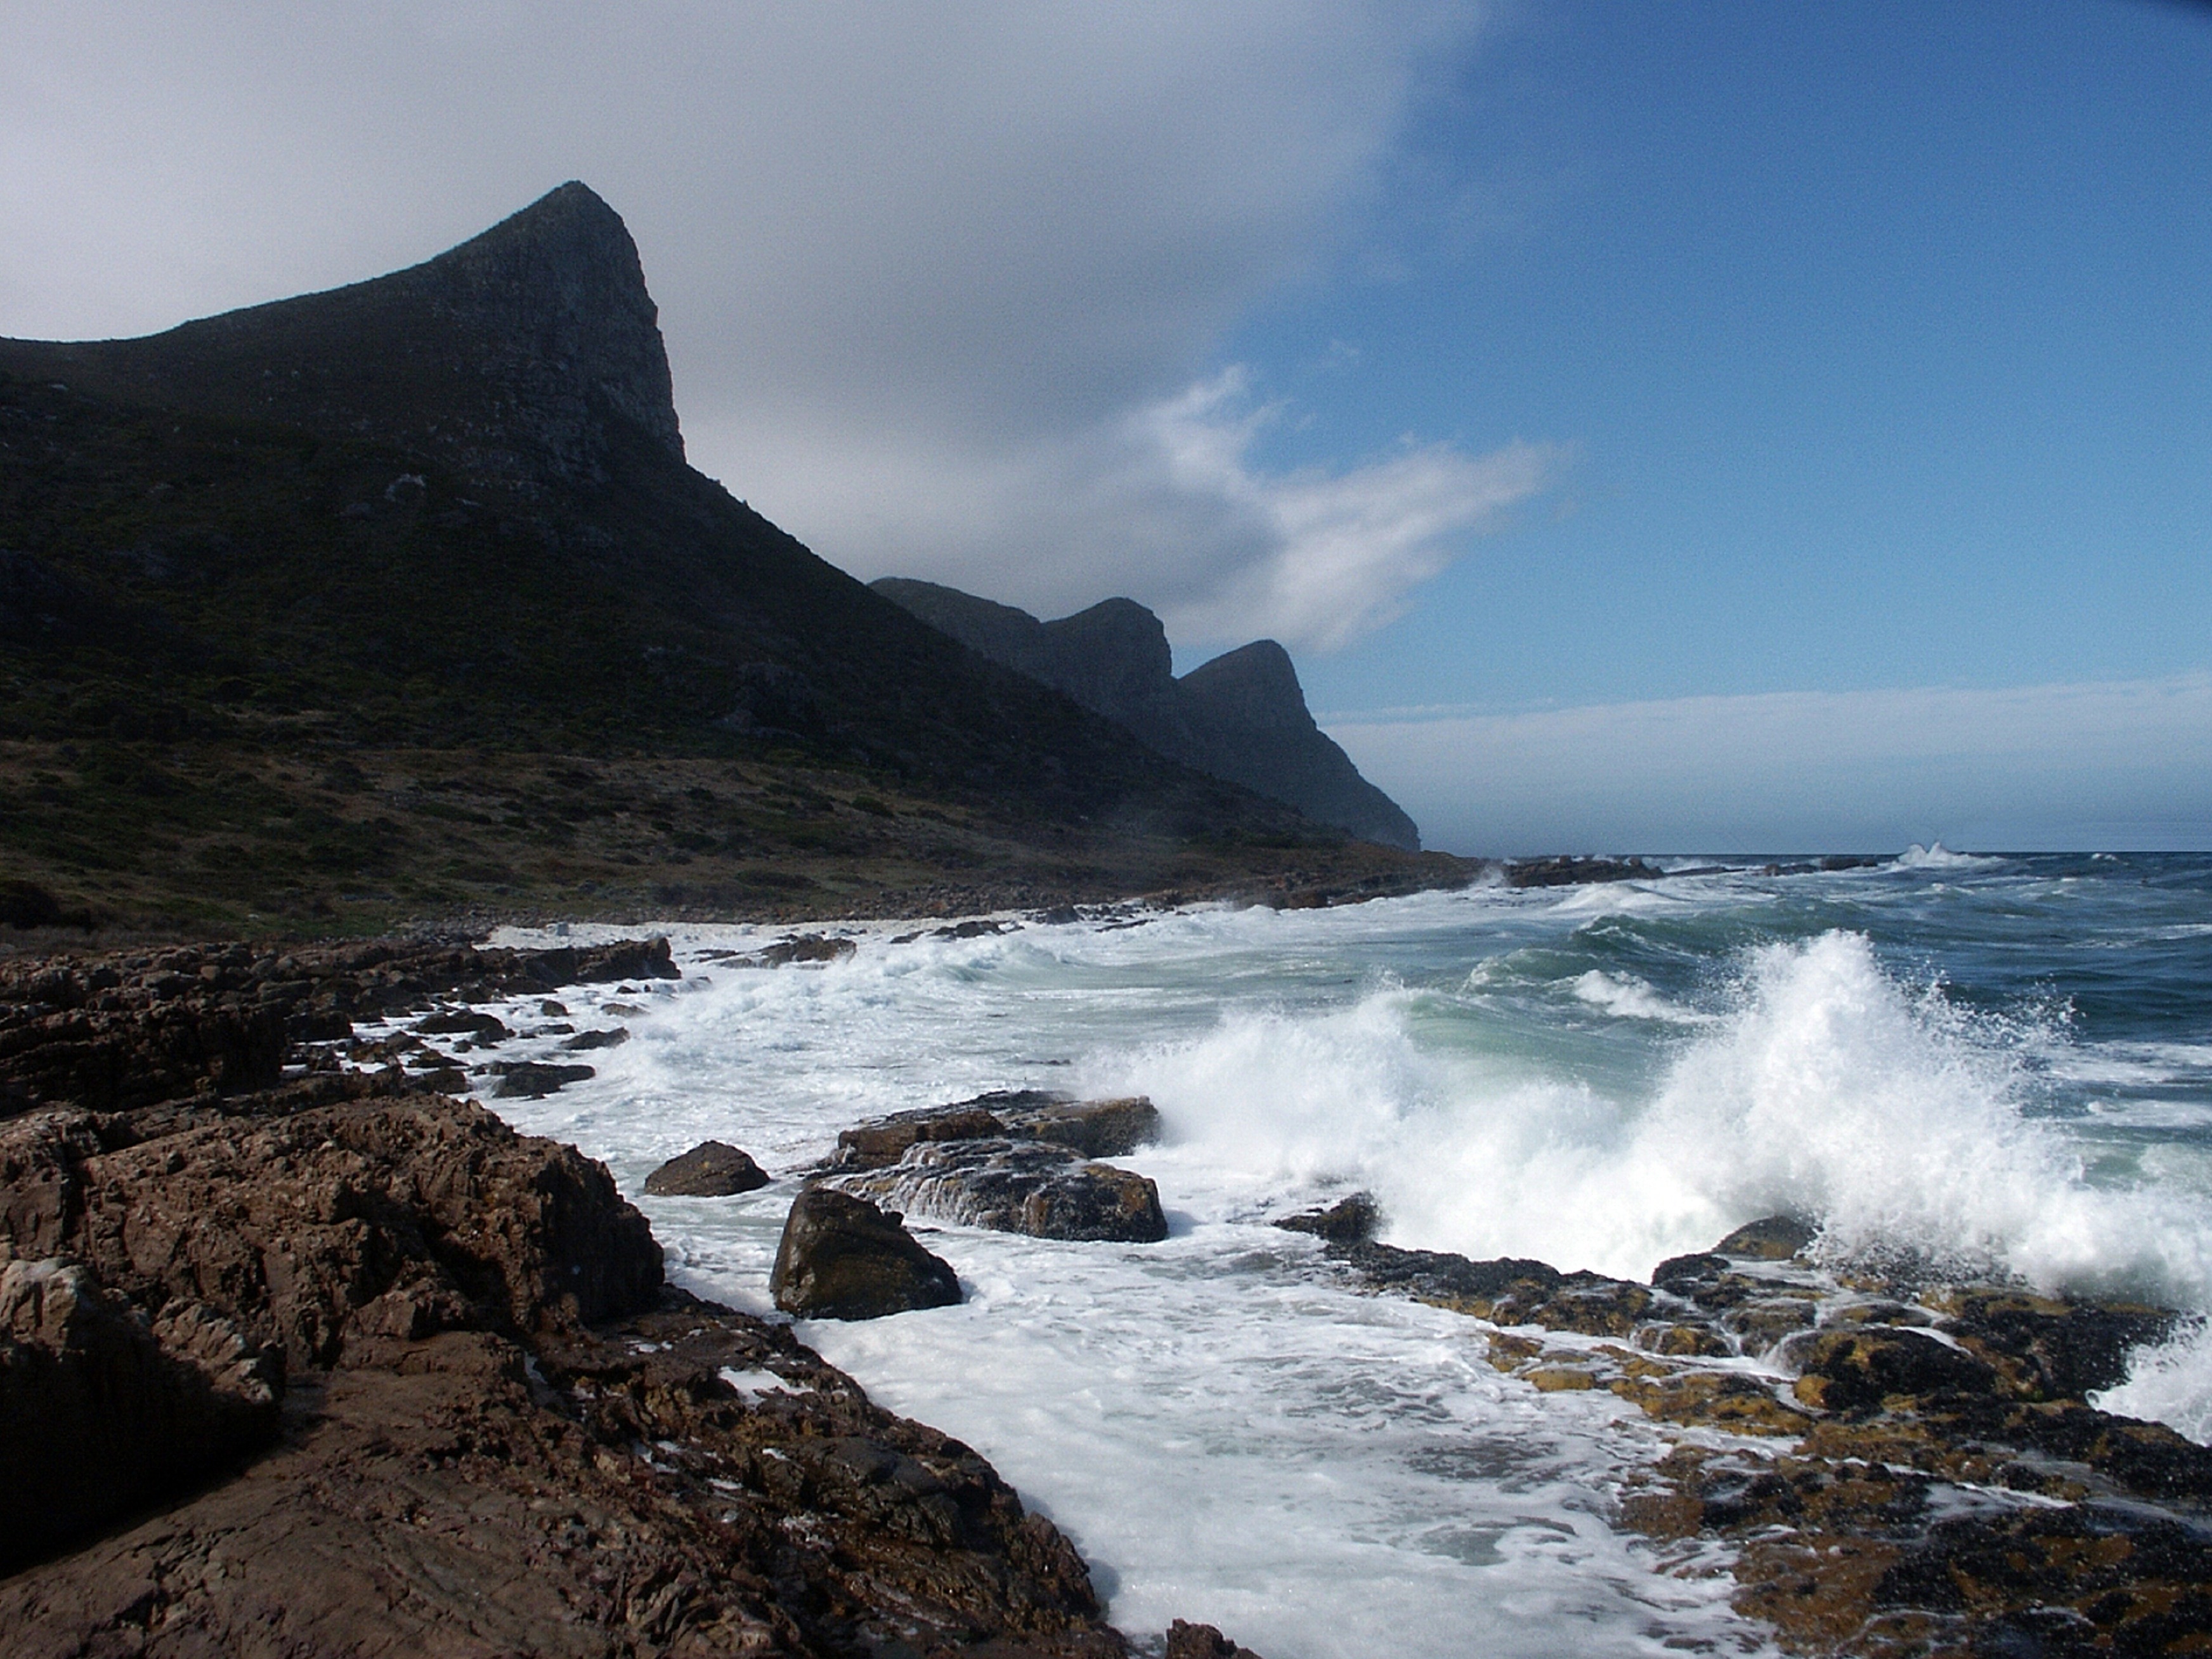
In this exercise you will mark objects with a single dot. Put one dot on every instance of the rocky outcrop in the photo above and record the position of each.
(1095, 1128)
(103, 1410)
(1202, 1642)
(525, 354)
(340, 1366)
(1018, 1187)
(713, 1168)
(1900, 1467)
(125, 1030)
(1242, 716)
(842, 1258)
(1019, 1161)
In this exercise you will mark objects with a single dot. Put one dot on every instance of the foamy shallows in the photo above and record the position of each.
(1992, 1064)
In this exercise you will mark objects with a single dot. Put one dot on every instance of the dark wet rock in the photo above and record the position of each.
(614, 1037)
(1094, 1128)
(1033, 1188)
(884, 1141)
(1771, 1238)
(1350, 1220)
(804, 948)
(103, 1411)
(1858, 1369)
(464, 1022)
(710, 1169)
(2049, 1349)
(1202, 1642)
(1682, 1274)
(1761, 1323)
(530, 1079)
(1449, 1280)
(1575, 871)
(609, 1493)
(1508, 1291)
(842, 1258)
(125, 1029)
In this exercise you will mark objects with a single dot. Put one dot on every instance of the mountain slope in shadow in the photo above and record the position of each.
(1241, 716)
(446, 513)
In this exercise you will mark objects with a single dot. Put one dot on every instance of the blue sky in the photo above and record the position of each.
(1649, 425)
(1879, 333)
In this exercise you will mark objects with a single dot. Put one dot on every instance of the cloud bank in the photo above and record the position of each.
(941, 284)
(2113, 765)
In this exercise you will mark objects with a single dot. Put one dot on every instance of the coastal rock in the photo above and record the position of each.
(102, 1412)
(1508, 1291)
(1093, 1128)
(2049, 1349)
(884, 1141)
(1858, 1370)
(613, 1037)
(1574, 872)
(1202, 1642)
(804, 948)
(612, 1493)
(713, 1168)
(1350, 1220)
(1770, 1238)
(1018, 1187)
(842, 1258)
(464, 1022)
(531, 1080)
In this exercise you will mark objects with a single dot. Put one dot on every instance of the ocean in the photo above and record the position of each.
(1975, 1064)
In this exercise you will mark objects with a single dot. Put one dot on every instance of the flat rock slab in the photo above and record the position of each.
(713, 1168)
(1016, 1187)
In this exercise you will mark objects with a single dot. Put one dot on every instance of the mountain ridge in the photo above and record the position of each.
(401, 598)
(1241, 716)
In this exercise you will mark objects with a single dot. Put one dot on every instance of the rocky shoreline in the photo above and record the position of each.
(302, 1361)
(300, 1352)
(1895, 1464)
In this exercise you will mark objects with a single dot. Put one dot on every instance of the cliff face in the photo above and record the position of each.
(516, 356)
(1241, 716)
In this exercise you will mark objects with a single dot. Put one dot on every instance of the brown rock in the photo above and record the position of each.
(292, 1225)
(710, 1169)
(1202, 1642)
(102, 1412)
(1771, 1238)
(842, 1258)
(1093, 1128)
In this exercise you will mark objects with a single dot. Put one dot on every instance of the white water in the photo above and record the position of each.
(1228, 1432)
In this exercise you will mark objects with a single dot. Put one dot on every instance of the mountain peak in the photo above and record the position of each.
(1241, 716)
(525, 354)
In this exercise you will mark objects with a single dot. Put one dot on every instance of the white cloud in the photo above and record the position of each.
(1165, 504)
(2111, 763)
(936, 279)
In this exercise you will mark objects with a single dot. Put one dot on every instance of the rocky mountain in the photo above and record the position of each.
(402, 597)
(1241, 716)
